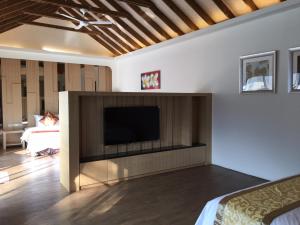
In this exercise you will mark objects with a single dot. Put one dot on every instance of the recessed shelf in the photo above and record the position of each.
(140, 152)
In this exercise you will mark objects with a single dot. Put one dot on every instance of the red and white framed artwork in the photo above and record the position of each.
(150, 80)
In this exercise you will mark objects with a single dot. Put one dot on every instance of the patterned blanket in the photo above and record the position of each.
(259, 205)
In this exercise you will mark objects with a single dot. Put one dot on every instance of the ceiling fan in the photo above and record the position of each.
(84, 23)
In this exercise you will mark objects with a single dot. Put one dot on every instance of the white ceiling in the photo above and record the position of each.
(40, 38)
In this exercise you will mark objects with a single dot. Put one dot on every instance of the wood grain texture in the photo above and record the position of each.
(69, 141)
(73, 77)
(156, 21)
(11, 92)
(207, 130)
(132, 102)
(224, 8)
(110, 101)
(177, 115)
(90, 78)
(179, 124)
(148, 101)
(113, 170)
(201, 12)
(74, 143)
(181, 118)
(73, 5)
(33, 91)
(93, 173)
(158, 103)
(134, 202)
(104, 79)
(17, 108)
(50, 86)
(186, 121)
(177, 10)
(122, 102)
(91, 130)
(64, 140)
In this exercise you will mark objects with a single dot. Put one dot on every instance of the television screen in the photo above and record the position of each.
(131, 124)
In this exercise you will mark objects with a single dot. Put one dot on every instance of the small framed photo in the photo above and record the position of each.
(258, 73)
(294, 70)
(150, 80)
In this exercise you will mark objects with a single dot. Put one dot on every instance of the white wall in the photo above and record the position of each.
(257, 134)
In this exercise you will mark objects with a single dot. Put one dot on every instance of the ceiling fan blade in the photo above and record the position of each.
(67, 16)
(100, 22)
(81, 24)
(78, 27)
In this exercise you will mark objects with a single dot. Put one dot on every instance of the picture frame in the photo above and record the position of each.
(294, 70)
(258, 73)
(151, 80)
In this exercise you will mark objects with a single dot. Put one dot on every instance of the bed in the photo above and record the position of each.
(273, 203)
(42, 138)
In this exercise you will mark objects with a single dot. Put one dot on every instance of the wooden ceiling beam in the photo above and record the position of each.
(224, 8)
(117, 30)
(11, 24)
(130, 34)
(125, 26)
(118, 40)
(15, 20)
(112, 35)
(12, 21)
(8, 28)
(12, 17)
(58, 27)
(150, 21)
(4, 29)
(135, 22)
(115, 45)
(251, 4)
(141, 3)
(126, 37)
(6, 6)
(59, 17)
(105, 45)
(88, 17)
(73, 5)
(149, 4)
(166, 19)
(5, 3)
(181, 14)
(101, 33)
(100, 39)
(201, 12)
(48, 15)
(16, 10)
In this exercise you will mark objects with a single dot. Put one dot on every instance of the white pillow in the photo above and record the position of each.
(37, 119)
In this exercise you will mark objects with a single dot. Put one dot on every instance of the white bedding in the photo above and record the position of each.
(41, 138)
(208, 214)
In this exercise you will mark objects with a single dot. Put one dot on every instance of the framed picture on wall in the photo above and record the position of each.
(258, 72)
(150, 80)
(294, 70)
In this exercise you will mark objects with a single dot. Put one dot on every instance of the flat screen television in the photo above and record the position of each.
(124, 125)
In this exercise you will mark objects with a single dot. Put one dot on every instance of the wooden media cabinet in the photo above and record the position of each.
(185, 137)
